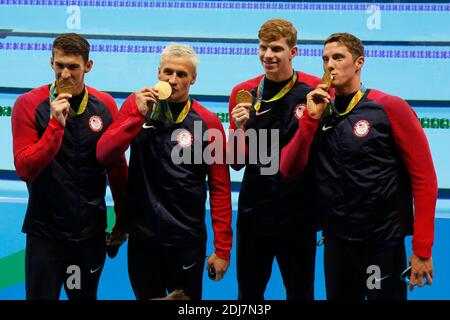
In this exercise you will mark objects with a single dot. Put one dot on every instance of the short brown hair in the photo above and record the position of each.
(72, 44)
(352, 43)
(275, 29)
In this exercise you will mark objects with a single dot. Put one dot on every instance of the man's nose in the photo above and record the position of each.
(329, 66)
(65, 74)
(268, 53)
(173, 78)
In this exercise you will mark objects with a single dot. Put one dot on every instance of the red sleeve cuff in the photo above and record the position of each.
(223, 254)
(54, 124)
(307, 117)
(135, 110)
(422, 250)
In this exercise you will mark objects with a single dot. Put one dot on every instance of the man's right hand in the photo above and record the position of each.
(146, 99)
(317, 101)
(60, 108)
(240, 114)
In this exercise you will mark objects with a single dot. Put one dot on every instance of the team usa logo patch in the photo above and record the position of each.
(95, 123)
(299, 109)
(185, 138)
(361, 128)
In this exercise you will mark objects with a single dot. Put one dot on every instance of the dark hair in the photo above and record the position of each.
(353, 44)
(72, 44)
(275, 29)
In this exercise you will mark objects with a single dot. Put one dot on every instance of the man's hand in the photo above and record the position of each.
(317, 101)
(60, 108)
(116, 236)
(241, 113)
(146, 99)
(220, 265)
(421, 268)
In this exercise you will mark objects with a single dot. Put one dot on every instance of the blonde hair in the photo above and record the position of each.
(180, 51)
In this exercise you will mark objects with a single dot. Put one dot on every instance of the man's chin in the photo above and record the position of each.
(172, 97)
(271, 71)
(175, 99)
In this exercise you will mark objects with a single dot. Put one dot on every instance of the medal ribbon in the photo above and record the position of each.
(83, 104)
(163, 106)
(278, 96)
(356, 98)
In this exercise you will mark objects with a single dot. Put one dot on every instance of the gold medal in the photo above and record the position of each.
(164, 90)
(65, 86)
(244, 97)
(327, 79)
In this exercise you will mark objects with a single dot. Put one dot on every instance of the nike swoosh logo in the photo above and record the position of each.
(381, 279)
(145, 126)
(94, 271)
(262, 112)
(325, 128)
(188, 267)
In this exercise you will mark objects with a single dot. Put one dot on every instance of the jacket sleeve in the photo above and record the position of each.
(295, 155)
(115, 141)
(220, 191)
(415, 151)
(32, 154)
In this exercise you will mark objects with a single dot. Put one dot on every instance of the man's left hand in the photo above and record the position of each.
(220, 265)
(421, 268)
(116, 237)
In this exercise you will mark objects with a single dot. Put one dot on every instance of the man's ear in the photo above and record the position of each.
(88, 66)
(359, 62)
(51, 62)
(294, 52)
(194, 78)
